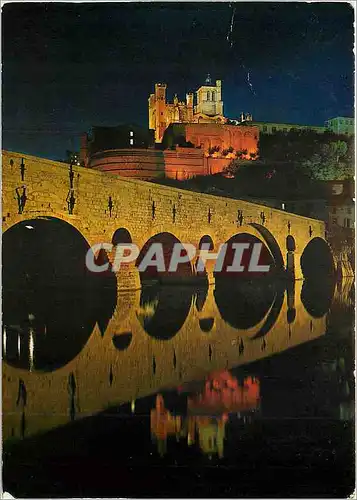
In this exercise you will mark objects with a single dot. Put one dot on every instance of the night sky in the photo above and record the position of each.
(67, 67)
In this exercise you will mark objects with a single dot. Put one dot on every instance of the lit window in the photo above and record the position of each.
(131, 142)
(131, 133)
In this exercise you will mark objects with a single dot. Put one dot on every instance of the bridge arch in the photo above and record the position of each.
(206, 240)
(290, 256)
(270, 252)
(122, 341)
(246, 306)
(316, 298)
(317, 260)
(27, 241)
(206, 324)
(50, 298)
(271, 243)
(163, 312)
(167, 240)
(121, 236)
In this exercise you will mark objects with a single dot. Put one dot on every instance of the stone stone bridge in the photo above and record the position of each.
(97, 205)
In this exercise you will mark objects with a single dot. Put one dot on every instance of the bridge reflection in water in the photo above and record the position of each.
(68, 356)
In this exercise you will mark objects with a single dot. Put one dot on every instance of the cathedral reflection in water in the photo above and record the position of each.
(207, 412)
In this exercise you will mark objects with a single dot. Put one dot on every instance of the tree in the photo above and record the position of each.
(339, 149)
(330, 162)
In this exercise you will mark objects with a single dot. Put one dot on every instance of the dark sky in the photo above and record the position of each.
(67, 67)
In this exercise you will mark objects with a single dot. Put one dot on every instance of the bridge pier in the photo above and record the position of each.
(209, 308)
(128, 277)
(207, 276)
(292, 264)
(211, 277)
(298, 274)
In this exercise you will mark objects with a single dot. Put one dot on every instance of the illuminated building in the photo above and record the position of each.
(190, 139)
(162, 113)
(209, 102)
(208, 108)
(216, 140)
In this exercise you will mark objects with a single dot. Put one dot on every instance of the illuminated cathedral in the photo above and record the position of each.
(186, 139)
(208, 107)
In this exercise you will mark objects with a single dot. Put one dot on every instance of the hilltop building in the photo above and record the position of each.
(273, 127)
(218, 140)
(338, 125)
(162, 113)
(184, 138)
(209, 102)
(208, 108)
(341, 125)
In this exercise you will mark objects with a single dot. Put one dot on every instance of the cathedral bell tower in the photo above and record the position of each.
(209, 98)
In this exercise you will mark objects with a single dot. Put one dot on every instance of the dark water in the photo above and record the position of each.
(238, 391)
